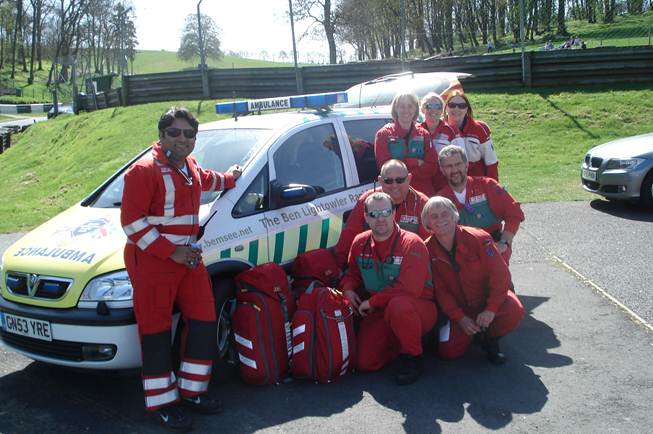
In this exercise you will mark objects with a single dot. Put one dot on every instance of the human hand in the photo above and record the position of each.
(364, 308)
(235, 171)
(501, 247)
(353, 298)
(485, 318)
(187, 255)
(468, 325)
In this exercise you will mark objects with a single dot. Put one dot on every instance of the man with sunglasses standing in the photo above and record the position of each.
(159, 214)
(406, 201)
(388, 283)
(481, 201)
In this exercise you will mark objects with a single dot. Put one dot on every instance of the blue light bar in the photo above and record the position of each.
(296, 101)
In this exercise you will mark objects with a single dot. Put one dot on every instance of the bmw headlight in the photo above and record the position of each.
(623, 163)
(110, 287)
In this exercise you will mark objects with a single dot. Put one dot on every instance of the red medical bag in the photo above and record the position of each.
(313, 265)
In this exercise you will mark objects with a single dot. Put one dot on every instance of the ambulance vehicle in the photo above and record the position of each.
(66, 298)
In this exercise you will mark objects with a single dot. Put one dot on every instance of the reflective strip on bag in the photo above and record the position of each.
(247, 361)
(192, 385)
(159, 383)
(243, 341)
(135, 226)
(342, 331)
(299, 330)
(161, 399)
(146, 240)
(445, 331)
(298, 348)
(195, 368)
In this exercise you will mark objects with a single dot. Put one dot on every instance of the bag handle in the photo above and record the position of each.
(338, 318)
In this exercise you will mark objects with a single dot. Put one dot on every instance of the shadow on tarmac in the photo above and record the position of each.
(623, 209)
(46, 399)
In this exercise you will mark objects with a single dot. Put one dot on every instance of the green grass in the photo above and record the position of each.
(541, 138)
(147, 62)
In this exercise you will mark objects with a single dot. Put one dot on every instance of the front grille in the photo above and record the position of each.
(34, 285)
(610, 189)
(64, 350)
(596, 161)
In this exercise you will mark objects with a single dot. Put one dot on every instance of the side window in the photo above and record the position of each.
(256, 197)
(361, 139)
(311, 157)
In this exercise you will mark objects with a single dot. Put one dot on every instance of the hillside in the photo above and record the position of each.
(147, 62)
(541, 138)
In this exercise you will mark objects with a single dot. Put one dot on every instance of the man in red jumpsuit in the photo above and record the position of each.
(471, 284)
(389, 283)
(407, 202)
(481, 201)
(159, 214)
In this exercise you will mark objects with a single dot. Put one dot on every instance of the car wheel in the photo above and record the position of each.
(646, 193)
(224, 365)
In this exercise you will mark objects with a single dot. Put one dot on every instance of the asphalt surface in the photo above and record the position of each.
(578, 362)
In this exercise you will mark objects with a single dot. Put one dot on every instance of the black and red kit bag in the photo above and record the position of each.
(323, 337)
(319, 265)
(261, 324)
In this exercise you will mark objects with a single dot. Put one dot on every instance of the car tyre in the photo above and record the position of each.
(224, 364)
(646, 193)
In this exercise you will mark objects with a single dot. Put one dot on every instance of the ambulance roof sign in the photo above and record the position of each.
(297, 101)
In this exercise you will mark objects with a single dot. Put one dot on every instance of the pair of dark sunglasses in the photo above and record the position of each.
(175, 132)
(399, 180)
(432, 106)
(380, 213)
(460, 105)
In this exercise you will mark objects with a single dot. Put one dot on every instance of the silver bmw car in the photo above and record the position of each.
(621, 169)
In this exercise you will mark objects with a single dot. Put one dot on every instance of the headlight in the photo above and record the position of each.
(623, 163)
(110, 287)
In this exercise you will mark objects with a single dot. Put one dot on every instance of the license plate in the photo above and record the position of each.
(589, 175)
(29, 327)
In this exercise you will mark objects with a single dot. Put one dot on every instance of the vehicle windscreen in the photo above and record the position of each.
(382, 92)
(214, 149)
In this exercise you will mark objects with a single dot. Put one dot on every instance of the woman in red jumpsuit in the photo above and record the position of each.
(403, 139)
(483, 160)
(471, 284)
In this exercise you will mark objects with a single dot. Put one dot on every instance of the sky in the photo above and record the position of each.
(248, 26)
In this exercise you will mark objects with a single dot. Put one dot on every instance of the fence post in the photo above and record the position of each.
(206, 92)
(299, 77)
(527, 69)
(124, 90)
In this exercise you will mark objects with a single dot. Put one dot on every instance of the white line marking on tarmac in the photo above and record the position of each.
(603, 292)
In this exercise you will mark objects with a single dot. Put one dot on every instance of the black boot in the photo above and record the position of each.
(203, 404)
(173, 418)
(410, 368)
(494, 354)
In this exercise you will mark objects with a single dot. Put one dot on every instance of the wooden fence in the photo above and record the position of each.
(539, 69)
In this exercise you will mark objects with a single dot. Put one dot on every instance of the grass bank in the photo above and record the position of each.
(540, 137)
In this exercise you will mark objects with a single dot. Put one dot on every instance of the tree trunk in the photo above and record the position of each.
(562, 28)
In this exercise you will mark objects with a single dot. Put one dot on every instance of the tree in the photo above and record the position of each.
(190, 47)
(320, 12)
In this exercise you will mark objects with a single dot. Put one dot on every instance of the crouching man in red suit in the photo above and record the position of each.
(389, 283)
(471, 284)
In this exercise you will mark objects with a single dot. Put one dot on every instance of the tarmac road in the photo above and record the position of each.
(578, 362)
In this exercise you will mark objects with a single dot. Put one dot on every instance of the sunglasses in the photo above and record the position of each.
(399, 180)
(386, 212)
(432, 106)
(175, 132)
(460, 105)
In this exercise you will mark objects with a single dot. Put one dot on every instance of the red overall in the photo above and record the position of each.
(443, 136)
(395, 275)
(409, 146)
(159, 212)
(483, 160)
(478, 281)
(408, 215)
(487, 206)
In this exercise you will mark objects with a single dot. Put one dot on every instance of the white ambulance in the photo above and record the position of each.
(65, 295)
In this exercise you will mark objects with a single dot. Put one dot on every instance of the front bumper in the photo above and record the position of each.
(74, 332)
(613, 184)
